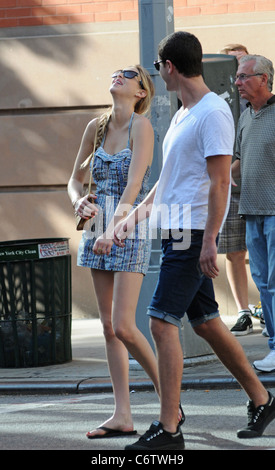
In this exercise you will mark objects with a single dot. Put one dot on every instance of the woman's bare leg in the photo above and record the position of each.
(117, 356)
(126, 293)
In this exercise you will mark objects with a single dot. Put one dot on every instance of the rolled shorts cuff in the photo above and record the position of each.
(174, 320)
(161, 315)
(205, 318)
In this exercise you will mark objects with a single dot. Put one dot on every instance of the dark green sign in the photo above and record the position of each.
(18, 253)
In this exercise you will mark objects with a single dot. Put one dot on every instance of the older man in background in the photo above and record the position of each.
(255, 163)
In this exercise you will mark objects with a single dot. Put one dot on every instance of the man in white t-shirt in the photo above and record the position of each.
(197, 154)
(192, 137)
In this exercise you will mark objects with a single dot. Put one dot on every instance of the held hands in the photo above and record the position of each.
(103, 245)
(86, 209)
(122, 230)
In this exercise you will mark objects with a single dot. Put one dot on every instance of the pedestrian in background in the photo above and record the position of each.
(255, 164)
(232, 238)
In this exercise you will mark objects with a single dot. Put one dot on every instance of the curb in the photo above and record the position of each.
(17, 388)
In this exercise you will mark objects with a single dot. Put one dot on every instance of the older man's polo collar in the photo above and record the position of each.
(270, 101)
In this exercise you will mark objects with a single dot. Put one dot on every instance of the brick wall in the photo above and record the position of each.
(53, 12)
(220, 7)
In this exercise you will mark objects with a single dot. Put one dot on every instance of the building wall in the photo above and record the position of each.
(56, 58)
(16, 13)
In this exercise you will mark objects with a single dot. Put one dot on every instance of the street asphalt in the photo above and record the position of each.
(52, 407)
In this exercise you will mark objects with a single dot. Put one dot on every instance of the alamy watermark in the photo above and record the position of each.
(170, 221)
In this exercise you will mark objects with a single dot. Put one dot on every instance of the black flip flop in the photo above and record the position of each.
(111, 433)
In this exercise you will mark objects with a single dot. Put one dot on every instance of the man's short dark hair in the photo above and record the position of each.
(184, 50)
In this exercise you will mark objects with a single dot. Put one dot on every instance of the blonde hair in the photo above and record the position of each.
(141, 107)
(144, 104)
(101, 124)
(233, 47)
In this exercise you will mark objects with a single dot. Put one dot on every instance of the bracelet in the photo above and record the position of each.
(74, 203)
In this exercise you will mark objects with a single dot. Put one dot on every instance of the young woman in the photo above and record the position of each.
(121, 168)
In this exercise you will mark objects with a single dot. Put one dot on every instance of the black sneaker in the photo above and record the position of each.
(244, 326)
(258, 418)
(156, 438)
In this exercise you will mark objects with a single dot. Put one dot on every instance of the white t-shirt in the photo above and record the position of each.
(181, 199)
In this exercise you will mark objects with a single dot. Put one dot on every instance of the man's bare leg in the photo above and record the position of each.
(232, 355)
(170, 365)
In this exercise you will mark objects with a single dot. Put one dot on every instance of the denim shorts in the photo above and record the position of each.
(182, 287)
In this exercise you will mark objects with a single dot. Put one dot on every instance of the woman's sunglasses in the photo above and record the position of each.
(128, 74)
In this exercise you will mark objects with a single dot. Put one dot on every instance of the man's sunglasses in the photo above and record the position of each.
(157, 64)
(128, 74)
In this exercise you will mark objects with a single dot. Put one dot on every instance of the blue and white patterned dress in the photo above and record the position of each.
(110, 173)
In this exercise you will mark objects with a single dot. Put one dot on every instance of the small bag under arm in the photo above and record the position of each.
(80, 221)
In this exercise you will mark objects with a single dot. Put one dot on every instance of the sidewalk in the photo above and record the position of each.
(88, 371)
